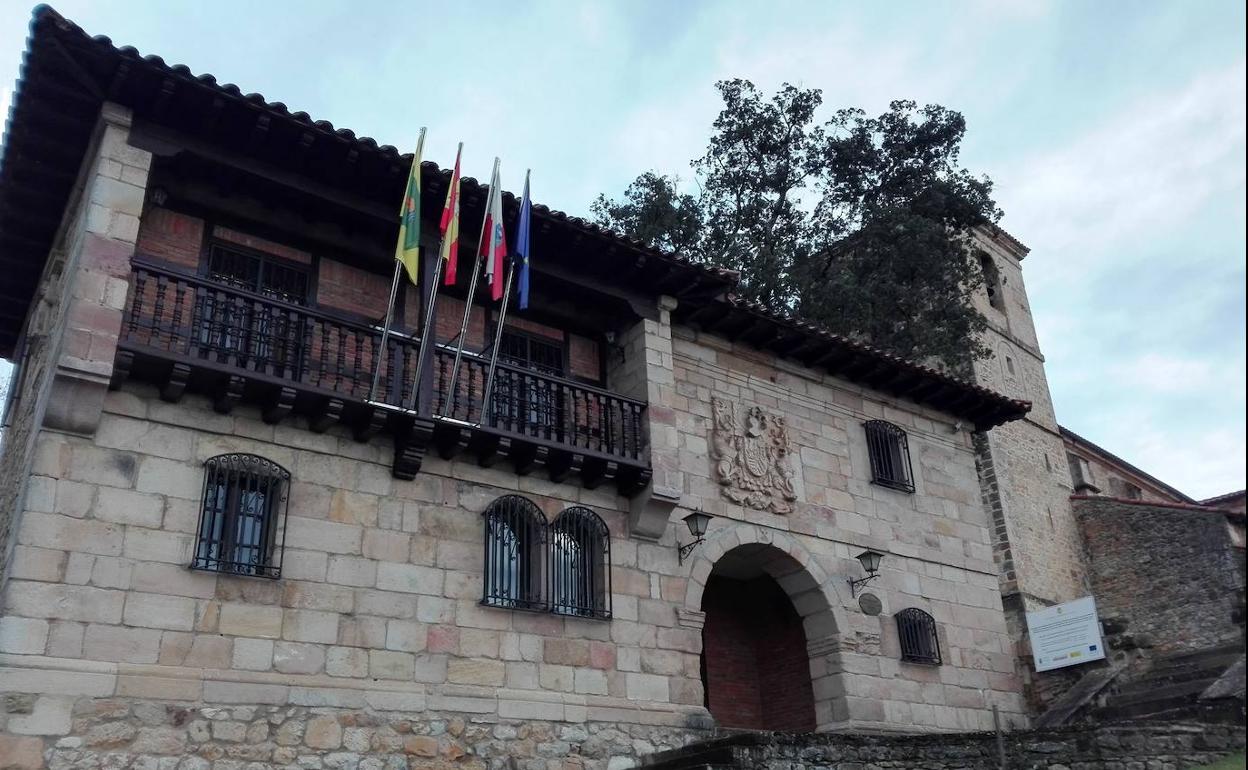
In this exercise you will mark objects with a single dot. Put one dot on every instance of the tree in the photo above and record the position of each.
(760, 157)
(655, 213)
(884, 254)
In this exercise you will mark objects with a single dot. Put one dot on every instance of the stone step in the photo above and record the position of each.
(712, 756)
(1224, 655)
(1189, 688)
(1145, 708)
(1155, 682)
(1188, 711)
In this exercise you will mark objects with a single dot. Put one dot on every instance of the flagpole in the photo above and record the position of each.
(468, 302)
(394, 285)
(385, 332)
(498, 338)
(424, 332)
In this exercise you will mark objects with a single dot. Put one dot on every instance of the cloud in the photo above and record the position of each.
(1142, 173)
(1137, 277)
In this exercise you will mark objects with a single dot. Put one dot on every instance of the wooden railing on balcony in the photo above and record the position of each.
(203, 326)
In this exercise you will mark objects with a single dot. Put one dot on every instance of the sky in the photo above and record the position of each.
(1114, 132)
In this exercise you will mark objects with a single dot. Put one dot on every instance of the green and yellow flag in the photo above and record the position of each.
(407, 250)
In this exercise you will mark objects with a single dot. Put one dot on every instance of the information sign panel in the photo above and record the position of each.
(1065, 634)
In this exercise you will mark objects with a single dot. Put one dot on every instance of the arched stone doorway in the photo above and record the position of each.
(765, 615)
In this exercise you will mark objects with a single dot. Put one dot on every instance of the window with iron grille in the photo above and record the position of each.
(529, 404)
(917, 631)
(515, 533)
(528, 352)
(254, 272)
(889, 450)
(243, 516)
(241, 331)
(580, 564)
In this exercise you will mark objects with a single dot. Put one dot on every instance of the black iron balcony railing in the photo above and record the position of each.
(236, 344)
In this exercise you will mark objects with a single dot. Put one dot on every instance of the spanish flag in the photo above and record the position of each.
(407, 250)
(450, 223)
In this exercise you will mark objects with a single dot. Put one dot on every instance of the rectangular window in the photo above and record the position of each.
(528, 352)
(527, 404)
(235, 330)
(1081, 474)
(889, 451)
(254, 272)
(242, 516)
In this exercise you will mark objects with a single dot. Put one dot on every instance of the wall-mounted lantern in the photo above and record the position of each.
(870, 561)
(696, 522)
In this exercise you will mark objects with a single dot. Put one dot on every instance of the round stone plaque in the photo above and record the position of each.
(870, 604)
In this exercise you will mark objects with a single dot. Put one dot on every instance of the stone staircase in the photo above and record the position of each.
(1171, 688)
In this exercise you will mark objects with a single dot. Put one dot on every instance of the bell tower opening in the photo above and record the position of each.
(755, 667)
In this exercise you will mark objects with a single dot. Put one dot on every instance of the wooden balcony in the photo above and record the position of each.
(190, 333)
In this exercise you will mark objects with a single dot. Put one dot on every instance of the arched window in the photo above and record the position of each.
(580, 564)
(514, 533)
(890, 455)
(243, 516)
(992, 281)
(917, 631)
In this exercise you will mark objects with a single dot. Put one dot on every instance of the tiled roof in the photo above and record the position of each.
(67, 74)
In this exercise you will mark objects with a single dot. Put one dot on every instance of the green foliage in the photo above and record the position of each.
(883, 253)
(761, 155)
(654, 212)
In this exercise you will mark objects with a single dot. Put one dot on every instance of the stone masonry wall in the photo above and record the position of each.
(71, 330)
(1024, 477)
(1028, 456)
(937, 541)
(1109, 747)
(1165, 579)
(377, 609)
(73, 732)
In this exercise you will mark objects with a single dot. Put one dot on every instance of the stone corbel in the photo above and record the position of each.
(76, 401)
(650, 511)
(690, 618)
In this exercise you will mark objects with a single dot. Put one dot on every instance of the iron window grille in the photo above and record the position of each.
(242, 523)
(562, 566)
(524, 401)
(263, 337)
(889, 449)
(580, 564)
(515, 534)
(253, 272)
(917, 631)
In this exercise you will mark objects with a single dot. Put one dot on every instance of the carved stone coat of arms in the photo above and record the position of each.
(751, 457)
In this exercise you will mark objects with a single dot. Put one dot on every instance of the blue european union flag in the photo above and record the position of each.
(521, 251)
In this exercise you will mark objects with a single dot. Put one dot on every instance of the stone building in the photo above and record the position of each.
(1023, 470)
(1071, 519)
(219, 542)
(1095, 470)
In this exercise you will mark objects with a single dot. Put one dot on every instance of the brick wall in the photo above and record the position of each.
(352, 290)
(584, 359)
(263, 244)
(450, 315)
(754, 655)
(171, 236)
(1169, 579)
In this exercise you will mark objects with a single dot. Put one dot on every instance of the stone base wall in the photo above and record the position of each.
(57, 732)
(1124, 746)
(1166, 579)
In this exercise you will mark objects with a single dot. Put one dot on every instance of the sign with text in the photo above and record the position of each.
(1065, 635)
